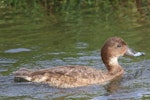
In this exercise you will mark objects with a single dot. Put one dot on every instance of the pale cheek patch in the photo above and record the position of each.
(113, 61)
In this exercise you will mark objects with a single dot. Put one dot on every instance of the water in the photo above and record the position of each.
(73, 39)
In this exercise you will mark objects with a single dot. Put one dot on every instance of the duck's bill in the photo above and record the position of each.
(131, 52)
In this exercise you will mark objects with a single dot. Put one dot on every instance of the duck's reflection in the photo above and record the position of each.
(114, 85)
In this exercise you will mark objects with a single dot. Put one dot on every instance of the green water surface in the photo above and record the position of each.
(72, 39)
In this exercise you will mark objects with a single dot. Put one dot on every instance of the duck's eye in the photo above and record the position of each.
(118, 45)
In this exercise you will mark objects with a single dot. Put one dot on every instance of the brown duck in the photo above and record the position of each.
(76, 76)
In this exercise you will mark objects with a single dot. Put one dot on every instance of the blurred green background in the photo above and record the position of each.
(47, 33)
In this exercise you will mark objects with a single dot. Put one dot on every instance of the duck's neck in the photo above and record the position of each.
(112, 65)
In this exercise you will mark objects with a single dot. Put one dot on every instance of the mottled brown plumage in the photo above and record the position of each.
(75, 76)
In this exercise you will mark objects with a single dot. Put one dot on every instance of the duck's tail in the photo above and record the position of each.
(22, 75)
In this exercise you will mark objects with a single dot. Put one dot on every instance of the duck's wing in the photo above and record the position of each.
(64, 76)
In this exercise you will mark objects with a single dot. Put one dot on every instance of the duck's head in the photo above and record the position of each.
(113, 48)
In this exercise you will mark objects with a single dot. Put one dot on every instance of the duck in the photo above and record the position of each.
(71, 76)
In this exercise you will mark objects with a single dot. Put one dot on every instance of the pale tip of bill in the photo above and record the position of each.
(139, 54)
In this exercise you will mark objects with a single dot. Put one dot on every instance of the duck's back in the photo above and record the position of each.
(63, 76)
